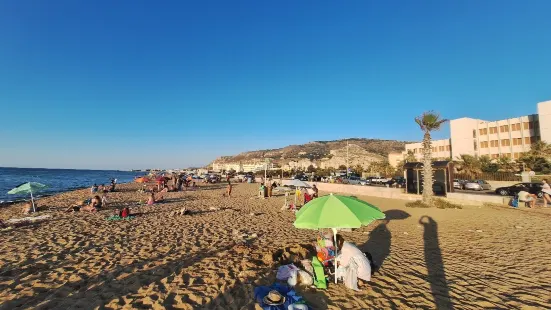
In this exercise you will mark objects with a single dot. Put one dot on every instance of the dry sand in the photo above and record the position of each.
(474, 258)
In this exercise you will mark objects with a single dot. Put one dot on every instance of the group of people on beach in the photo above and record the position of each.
(525, 196)
(103, 188)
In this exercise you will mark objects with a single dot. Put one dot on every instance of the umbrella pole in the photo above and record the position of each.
(32, 200)
(336, 251)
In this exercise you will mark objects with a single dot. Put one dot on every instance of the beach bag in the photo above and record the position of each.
(125, 212)
(514, 203)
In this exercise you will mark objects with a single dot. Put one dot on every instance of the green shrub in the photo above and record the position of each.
(443, 204)
(438, 203)
(417, 204)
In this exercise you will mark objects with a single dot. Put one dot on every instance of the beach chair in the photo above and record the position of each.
(319, 274)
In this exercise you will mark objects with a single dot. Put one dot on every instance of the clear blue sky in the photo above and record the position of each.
(135, 84)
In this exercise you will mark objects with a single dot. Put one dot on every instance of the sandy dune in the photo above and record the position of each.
(474, 258)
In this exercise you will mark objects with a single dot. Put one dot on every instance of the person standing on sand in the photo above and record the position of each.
(228, 189)
(546, 189)
(270, 188)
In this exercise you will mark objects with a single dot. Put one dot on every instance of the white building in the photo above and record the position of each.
(504, 138)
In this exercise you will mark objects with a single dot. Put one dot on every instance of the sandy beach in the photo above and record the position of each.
(473, 258)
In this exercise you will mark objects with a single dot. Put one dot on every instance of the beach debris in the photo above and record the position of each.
(479, 230)
(214, 209)
(183, 211)
(519, 227)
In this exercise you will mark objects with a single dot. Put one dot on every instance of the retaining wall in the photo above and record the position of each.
(464, 198)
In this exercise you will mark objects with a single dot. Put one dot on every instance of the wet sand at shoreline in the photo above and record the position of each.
(473, 258)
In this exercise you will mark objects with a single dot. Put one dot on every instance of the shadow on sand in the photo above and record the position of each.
(380, 238)
(435, 264)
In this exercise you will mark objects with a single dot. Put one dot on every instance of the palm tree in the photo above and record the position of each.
(428, 122)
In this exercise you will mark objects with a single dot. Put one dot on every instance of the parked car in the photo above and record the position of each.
(477, 185)
(301, 177)
(459, 184)
(352, 180)
(396, 182)
(379, 180)
(531, 187)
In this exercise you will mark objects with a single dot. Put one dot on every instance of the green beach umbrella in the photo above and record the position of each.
(336, 211)
(28, 188)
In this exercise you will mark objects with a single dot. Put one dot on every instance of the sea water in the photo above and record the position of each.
(57, 180)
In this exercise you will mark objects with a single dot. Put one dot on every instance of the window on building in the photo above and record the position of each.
(504, 128)
(506, 155)
(448, 148)
(441, 148)
(517, 141)
(474, 133)
(483, 144)
(505, 142)
(493, 130)
(515, 127)
(475, 146)
(533, 139)
(483, 131)
(528, 125)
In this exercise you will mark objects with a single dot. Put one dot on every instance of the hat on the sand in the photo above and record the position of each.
(274, 298)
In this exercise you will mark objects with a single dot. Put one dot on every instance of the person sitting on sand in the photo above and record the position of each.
(75, 208)
(525, 196)
(315, 190)
(153, 200)
(94, 205)
(348, 253)
(28, 207)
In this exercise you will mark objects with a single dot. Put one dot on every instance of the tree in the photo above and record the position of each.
(410, 157)
(358, 169)
(540, 149)
(506, 164)
(468, 164)
(342, 167)
(537, 159)
(486, 164)
(428, 122)
(311, 169)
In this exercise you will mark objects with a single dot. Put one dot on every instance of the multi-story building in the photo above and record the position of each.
(504, 138)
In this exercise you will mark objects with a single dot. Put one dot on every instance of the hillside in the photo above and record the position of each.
(330, 153)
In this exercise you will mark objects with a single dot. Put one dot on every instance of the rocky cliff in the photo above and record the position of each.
(324, 153)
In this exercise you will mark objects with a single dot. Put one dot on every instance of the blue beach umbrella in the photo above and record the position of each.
(28, 188)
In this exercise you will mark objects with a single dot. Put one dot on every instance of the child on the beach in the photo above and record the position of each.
(104, 200)
(261, 190)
